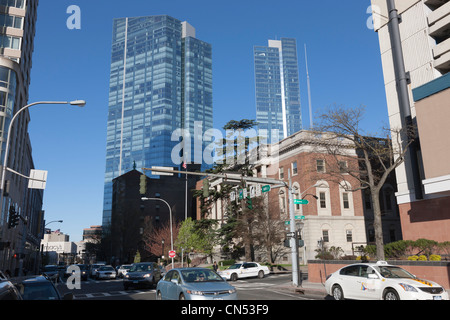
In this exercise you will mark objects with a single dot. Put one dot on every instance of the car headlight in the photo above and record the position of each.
(148, 275)
(195, 292)
(127, 276)
(407, 287)
(232, 291)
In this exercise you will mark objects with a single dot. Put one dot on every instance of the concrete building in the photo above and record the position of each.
(17, 30)
(423, 195)
(57, 248)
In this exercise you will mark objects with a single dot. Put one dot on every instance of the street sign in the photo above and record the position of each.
(290, 234)
(300, 218)
(233, 196)
(172, 254)
(160, 173)
(252, 192)
(37, 179)
(265, 188)
(301, 201)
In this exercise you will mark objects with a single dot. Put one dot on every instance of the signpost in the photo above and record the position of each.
(172, 254)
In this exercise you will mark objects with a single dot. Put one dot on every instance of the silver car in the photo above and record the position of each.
(194, 284)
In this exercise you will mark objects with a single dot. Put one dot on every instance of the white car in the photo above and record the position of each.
(105, 272)
(123, 270)
(244, 270)
(381, 281)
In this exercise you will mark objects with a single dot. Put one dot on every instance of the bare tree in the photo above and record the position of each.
(341, 134)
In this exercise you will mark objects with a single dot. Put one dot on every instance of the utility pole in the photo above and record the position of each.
(294, 240)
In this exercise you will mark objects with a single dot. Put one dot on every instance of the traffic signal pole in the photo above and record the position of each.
(277, 184)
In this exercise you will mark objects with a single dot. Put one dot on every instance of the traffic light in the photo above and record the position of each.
(249, 203)
(13, 219)
(143, 184)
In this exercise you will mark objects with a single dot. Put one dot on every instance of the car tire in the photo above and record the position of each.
(337, 292)
(182, 297)
(234, 277)
(260, 274)
(390, 294)
(158, 295)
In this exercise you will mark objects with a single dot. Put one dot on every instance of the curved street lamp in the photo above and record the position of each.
(79, 103)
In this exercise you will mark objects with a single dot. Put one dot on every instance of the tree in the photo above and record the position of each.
(197, 235)
(153, 237)
(340, 131)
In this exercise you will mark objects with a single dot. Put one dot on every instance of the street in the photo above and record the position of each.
(268, 288)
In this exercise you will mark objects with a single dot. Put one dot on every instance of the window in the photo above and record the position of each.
(323, 200)
(281, 173)
(349, 234)
(343, 166)
(350, 271)
(346, 203)
(325, 236)
(294, 168)
(320, 164)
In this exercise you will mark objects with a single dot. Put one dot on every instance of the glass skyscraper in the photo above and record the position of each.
(160, 81)
(277, 88)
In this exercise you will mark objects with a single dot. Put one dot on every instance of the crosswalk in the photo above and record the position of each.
(110, 294)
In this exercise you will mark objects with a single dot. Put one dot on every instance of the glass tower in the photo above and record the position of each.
(277, 88)
(160, 81)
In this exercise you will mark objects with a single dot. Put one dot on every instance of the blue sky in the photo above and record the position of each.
(343, 58)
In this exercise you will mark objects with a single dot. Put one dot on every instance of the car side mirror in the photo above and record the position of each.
(372, 276)
(175, 281)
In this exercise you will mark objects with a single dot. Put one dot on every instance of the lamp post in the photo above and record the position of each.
(79, 103)
(170, 213)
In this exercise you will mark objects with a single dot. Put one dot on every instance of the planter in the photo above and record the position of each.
(437, 271)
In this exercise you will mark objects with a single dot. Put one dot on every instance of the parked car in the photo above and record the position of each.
(381, 281)
(194, 284)
(8, 291)
(94, 268)
(244, 270)
(123, 269)
(142, 274)
(38, 288)
(51, 272)
(105, 272)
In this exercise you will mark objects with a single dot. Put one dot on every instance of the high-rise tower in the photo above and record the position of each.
(160, 81)
(277, 88)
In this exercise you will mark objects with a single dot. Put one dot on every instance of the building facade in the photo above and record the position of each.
(17, 30)
(335, 216)
(160, 82)
(277, 88)
(423, 195)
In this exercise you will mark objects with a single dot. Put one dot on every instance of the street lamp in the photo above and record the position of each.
(79, 103)
(170, 213)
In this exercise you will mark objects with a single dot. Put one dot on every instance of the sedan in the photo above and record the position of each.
(38, 288)
(142, 274)
(194, 284)
(381, 281)
(245, 270)
(105, 272)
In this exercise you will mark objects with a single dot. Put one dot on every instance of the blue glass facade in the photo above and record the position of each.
(160, 81)
(277, 88)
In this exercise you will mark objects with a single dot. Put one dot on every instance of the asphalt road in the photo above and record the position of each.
(268, 288)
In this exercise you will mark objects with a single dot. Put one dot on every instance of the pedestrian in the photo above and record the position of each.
(215, 266)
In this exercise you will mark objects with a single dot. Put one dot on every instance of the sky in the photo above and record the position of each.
(344, 65)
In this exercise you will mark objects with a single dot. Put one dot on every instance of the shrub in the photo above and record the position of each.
(423, 258)
(413, 258)
(435, 257)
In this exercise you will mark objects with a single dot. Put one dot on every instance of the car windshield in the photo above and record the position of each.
(235, 266)
(394, 272)
(141, 268)
(37, 291)
(203, 275)
(50, 269)
(106, 269)
(125, 267)
(82, 266)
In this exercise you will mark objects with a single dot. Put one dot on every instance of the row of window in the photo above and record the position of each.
(10, 42)
(326, 235)
(13, 3)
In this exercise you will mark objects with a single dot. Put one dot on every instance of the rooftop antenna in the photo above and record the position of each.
(309, 91)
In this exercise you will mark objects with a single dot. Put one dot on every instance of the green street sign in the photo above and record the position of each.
(287, 223)
(265, 188)
(301, 201)
(300, 218)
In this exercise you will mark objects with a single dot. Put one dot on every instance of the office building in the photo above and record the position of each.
(424, 194)
(277, 88)
(160, 81)
(19, 246)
